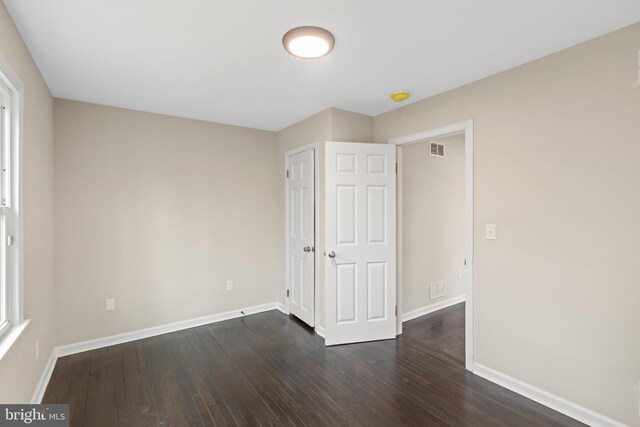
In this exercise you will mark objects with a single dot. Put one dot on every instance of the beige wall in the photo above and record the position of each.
(347, 126)
(331, 124)
(433, 221)
(158, 212)
(19, 371)
(556, 168)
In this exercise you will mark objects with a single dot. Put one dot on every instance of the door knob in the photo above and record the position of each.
(331, 254)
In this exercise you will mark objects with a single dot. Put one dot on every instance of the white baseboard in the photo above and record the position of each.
(413, 314)
(66, 350)
(545, 398)
(282, 308)
(69, 349)
(38, 393)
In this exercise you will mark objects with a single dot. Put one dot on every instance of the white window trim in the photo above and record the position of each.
(15, 276)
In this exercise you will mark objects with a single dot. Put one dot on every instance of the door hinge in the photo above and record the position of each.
(287, 173)
(287, 293)
(396, 168)
(465, 261)
(9, 240)
(396, 310)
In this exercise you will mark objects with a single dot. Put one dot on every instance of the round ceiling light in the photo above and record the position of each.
(308, 42)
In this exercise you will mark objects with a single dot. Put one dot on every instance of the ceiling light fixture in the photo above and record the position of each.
(308, 42)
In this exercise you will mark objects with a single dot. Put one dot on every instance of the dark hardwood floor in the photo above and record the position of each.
(441, 332)
(269, 369)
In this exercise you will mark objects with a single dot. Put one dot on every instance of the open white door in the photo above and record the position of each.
(300, 235)
(360, 242)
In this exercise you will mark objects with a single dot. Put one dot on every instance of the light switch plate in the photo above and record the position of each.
(110, 304)
(490, 231)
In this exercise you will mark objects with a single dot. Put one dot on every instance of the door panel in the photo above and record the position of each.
(347, 292)
(376, 207)
(346, 211)
(376, 290)
(300, 235)
(360, 242)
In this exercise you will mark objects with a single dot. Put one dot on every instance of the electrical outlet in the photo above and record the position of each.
(229, 285)
(110, 304)
(459, 273)
(37, 349)
(437, 289)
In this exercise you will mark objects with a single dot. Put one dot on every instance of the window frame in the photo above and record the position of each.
(11, 179)
(5, 129)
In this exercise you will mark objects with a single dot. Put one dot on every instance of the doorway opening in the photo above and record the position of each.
(435, 233)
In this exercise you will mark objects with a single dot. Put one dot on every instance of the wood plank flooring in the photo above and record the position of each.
(442, 331)
(269, 369)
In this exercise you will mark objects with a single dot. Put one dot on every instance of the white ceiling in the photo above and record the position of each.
(223, 61)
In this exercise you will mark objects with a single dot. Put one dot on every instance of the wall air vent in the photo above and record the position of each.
(436, 149)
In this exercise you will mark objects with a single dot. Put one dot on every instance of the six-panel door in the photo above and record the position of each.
(360, 242)
(300, 233)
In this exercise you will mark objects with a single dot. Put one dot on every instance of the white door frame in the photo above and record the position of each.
(467, 128)
(316, 227)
